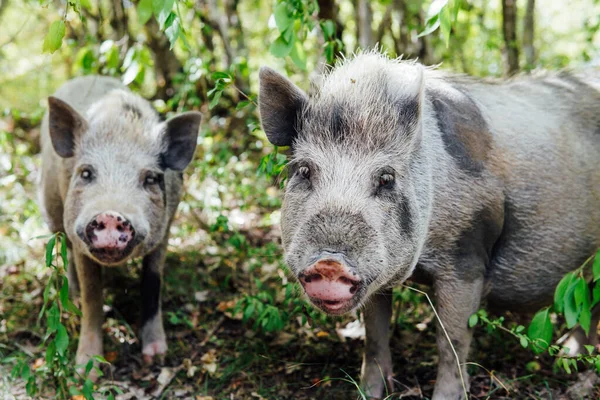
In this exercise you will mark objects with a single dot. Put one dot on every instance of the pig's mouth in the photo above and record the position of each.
(111, 256)
(336, 307)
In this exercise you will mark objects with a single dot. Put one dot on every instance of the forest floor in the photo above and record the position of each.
(219, 273)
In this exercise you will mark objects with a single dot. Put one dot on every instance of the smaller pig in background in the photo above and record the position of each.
(111, 180)
(485, 190)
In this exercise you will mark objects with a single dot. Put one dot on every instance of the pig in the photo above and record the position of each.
(486, 190)
(111, 179)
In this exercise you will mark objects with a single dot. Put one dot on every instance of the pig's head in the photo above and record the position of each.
(117, 155)
(355, 211)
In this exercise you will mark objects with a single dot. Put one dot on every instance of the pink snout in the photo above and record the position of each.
(330, 283)
(109, 231)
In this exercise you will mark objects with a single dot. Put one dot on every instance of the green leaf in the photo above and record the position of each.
(50, 351)
(446, 24)
(163, 13)
(280, 48)
(100, 359)
(282, 18)
(431, 25)
(298, 55)
(89, 366)
(63, 250)
(590, 349)
(54, 37)
(61, 340)
(585, 315)
(523, 341)
(328, 28)
(571, 310)
(540, 331)
(473, 319)
(50, 251)
(596, 294)
(88, 389)
(53, 318)
(561, 289)
(215, 100)
(596, 266)
(25, 372)
(220, 75)
(173, 31)
(144, 11)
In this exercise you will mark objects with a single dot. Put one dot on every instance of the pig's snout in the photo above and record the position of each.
(110, 236)
(331, 285)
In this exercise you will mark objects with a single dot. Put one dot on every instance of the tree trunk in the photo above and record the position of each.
(165, 62)
(119, 20)
(328, 10)
(509, 29)
(364, 22)
(528, 32)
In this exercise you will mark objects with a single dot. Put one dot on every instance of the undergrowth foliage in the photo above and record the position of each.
(57, 368)
(574, 298)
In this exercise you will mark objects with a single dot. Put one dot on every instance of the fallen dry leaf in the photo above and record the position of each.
(322, 334)
(39, 362)
(111, 356)
(209, 361)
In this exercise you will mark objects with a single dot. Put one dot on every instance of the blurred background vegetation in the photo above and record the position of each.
(230, 310)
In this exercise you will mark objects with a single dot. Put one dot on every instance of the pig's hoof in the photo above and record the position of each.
(82, 361)
(377, 383)
(154, 351)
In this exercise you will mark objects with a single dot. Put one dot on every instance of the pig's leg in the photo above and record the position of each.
(90, 338)
(376, 371)
(457, 300)
(154, 341)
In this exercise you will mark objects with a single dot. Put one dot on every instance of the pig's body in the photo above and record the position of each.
(486, 190)
(111, 180)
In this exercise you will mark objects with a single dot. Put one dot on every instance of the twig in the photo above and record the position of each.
(491, 374)
(462, 379)
(212, 331)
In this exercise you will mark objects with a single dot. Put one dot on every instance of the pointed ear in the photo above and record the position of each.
(65, 125)
(181, 136)
(280, 103)
(407, 92)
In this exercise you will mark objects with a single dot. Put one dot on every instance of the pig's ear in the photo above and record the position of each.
(181, 136)
(65, 124)
(407, 89)
(280, 103)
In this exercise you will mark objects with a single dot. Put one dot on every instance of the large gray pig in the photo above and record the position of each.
(486, 190)
(111, 180)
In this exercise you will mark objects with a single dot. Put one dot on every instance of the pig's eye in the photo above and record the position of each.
(304, 172)
(86, 174)
(151, 180)
(386, 180)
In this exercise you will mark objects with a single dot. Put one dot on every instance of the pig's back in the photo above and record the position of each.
(546, 135)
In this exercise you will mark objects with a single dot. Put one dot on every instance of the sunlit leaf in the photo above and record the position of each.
(54, 37)
(280, 48)
(144, 11)
(282, 19)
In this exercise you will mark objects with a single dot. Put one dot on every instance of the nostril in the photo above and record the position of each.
(346, 281)
(94, 224)
(354, 289)
(313, 278)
